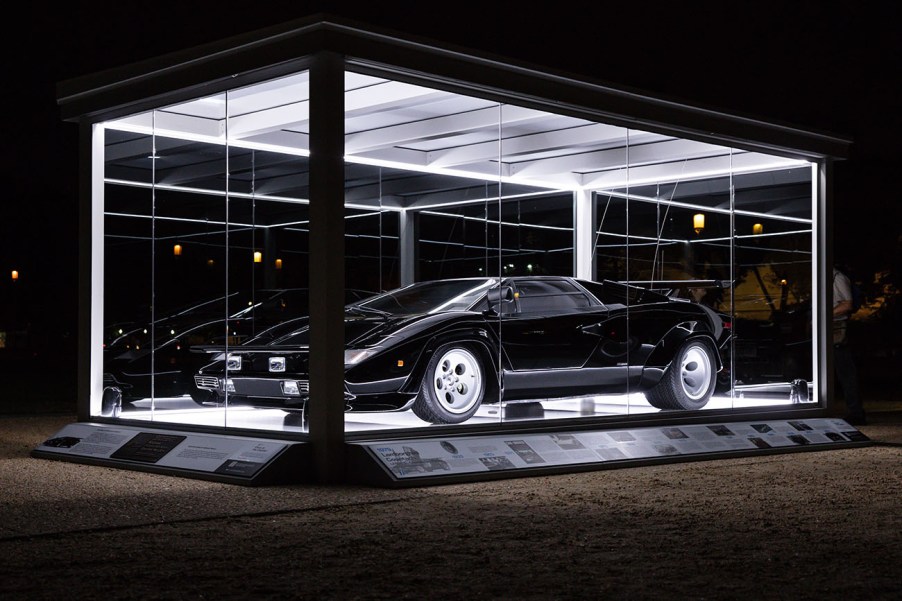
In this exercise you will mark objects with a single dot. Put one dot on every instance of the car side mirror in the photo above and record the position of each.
(496, 296)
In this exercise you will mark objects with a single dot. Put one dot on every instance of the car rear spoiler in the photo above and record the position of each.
(674, 287)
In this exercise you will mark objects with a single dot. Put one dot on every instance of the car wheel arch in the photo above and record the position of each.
(479, 340)
(669, 345)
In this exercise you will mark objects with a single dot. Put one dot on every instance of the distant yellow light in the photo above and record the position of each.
(783, 282)
(258, 256)
(278, 263)
(177, 250)
(400, 362)
(698, 222)
(757, 229)
(15, 275)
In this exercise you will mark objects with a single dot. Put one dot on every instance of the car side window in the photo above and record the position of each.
(550, 297)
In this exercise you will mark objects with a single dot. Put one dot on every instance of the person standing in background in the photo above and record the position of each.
(844, 363)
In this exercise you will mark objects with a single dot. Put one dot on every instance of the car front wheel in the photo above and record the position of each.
(689, 380)
(453, 386)
(205, 398)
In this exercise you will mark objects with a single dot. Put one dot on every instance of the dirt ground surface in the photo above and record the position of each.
(805, 525)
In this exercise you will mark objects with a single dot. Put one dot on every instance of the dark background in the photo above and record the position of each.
(823, 66)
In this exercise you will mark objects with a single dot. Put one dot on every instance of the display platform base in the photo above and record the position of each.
(222, 458)
(431, 461)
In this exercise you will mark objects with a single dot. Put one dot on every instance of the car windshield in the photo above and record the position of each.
(428, 297)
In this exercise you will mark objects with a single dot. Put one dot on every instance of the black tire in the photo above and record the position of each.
(111, 401)
(205, 398)
(296, 419)
(689, 380)
(453, 385)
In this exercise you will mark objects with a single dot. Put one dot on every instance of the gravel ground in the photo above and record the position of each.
(806, 525)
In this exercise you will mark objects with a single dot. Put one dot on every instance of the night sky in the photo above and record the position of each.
(824, 66)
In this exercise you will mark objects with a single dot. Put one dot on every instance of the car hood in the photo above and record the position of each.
(360, 331)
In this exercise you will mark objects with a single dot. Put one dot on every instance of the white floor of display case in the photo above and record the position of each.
(182, 410)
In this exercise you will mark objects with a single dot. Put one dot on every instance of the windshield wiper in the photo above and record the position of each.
(364, 311)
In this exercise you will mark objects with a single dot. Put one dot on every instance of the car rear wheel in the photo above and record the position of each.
(453, 386)
(689, 381)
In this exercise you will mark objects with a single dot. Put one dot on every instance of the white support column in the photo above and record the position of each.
(91, 316)
(406, 247)
(584, 228)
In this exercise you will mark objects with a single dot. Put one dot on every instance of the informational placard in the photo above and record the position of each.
(466, 455)
(232, 456)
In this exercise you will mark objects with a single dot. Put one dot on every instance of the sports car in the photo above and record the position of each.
(443, 348)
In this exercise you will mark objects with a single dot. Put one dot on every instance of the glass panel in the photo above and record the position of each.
(227, 248)
(190, 216)
(679, 246)
(609, 245)
(128, 273)
(421, 227)
(538, 235)
(458, 241)
(772, 323)
(268, 252)
(372, 239)
(188, 290)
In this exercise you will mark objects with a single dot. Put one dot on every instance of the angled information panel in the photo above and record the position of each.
(513, 452)
(216, 457)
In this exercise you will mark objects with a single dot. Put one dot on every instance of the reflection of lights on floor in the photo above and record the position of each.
(182, 410)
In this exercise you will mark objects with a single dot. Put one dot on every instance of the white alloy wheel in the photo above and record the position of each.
(457, 381)
(695, 371)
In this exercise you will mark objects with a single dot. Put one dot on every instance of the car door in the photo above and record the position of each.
(544, 327)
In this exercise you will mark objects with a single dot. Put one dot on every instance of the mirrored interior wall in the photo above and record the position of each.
(502, 263)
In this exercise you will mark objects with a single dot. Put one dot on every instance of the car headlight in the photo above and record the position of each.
(355, 356)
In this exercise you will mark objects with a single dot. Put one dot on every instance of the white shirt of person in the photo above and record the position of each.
(842, 291)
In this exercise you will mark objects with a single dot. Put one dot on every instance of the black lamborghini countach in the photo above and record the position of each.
(443, 348)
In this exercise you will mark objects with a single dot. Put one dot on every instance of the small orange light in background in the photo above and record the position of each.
(210, 262)
(782, 282)
(757, 229)
(177, 250)
(258, 256)
(698, 222)
(15, 275)
(400, 362)
(278, 263)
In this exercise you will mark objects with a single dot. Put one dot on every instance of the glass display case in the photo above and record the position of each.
(503, 263)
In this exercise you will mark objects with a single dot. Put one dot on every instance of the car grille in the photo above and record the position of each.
(206, 382)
